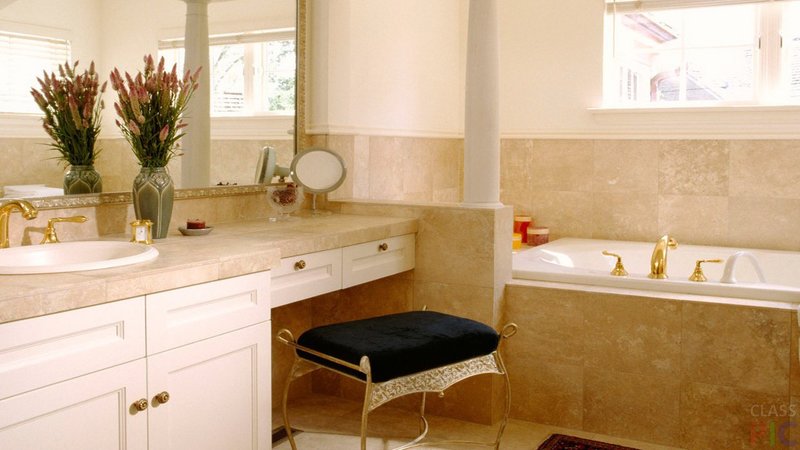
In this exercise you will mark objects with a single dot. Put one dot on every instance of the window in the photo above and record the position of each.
(251, 73)
(24, 57)
(680, 52)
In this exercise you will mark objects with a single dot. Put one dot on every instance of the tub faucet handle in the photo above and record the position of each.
(698, 274)
(619, 269)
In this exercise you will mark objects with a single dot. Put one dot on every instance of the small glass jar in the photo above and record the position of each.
(521, 224)
(538, 236)
(516, 241)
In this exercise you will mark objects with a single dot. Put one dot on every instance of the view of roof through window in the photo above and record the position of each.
(689, 55)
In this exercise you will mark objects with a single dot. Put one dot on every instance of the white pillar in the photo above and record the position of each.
(481, 127)
(196, 144)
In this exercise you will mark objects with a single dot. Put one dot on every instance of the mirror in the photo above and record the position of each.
(319, 171)
(117, 33)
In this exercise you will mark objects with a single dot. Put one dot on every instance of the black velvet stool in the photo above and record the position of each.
(400, 354)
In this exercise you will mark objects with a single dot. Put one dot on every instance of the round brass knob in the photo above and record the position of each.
(140, 405)
(162, 397)
(383, 247)
(300, 265)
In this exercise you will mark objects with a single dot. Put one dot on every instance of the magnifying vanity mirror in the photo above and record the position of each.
(319, 171)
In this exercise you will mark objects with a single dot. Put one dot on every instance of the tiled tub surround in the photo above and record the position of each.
(232, 161)
(731, 193)
(234, 248)
(687, 374)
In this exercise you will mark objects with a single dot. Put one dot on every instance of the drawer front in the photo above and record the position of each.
(45, 350)
(372, 260)
(304, 276)
(182, 316)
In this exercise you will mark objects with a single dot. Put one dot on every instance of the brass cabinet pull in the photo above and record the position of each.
(300, 265)
(162, 397)
(140, 405)
(383, 247)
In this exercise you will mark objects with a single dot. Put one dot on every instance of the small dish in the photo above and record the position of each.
(195, 231)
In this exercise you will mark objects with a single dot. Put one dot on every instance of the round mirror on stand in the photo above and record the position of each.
(319, 171)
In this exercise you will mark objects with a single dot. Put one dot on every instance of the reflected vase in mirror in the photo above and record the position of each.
(153, 196)
(82, 180)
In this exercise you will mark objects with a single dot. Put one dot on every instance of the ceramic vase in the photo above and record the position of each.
(82, 180)
(153, 194)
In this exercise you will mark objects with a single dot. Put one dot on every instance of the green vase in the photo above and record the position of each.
(153, 193)
(82, 180)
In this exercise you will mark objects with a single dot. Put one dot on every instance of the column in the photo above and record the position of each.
(196, 144)
(481, 127)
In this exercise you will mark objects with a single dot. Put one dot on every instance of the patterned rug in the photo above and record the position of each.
(564, 442)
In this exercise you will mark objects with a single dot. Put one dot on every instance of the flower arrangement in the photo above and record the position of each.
(71, 104)
(149, 110)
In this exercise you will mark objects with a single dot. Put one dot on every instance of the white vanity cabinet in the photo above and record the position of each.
(311, 274)
(89, 378)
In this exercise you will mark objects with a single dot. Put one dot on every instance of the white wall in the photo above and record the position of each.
(387, 67)
(396, 67)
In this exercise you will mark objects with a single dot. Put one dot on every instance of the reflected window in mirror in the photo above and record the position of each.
(24, 58)
(252, 74)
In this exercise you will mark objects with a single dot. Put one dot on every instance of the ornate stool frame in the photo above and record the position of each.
(376, 394)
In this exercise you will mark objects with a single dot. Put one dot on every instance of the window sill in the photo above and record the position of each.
(742, 122)
(29, 126)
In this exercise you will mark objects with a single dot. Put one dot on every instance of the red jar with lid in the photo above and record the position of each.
(538, 236)
(521, 224)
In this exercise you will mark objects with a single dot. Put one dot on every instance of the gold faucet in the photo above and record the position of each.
(658, 262)
(50, 235)
(28, 212)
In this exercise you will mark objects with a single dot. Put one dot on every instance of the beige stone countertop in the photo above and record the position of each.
(231, 249)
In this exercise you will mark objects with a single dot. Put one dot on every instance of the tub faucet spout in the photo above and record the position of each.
(658, 262)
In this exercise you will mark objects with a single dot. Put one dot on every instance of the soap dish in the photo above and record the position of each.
(195, 231)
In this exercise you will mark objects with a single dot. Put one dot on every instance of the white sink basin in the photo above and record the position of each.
(73, 256)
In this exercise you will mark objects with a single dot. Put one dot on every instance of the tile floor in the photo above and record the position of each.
(332, 423)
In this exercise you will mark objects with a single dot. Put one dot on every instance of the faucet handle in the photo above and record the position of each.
(698, 274)
(50, 236)
(619, 269)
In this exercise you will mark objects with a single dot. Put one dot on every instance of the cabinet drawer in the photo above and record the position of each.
(304, 276)
(189, 314)
(372, 260)
(45, 350)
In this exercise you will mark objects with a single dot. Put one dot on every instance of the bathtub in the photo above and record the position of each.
(581, 262)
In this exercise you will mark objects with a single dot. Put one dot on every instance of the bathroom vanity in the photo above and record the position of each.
(183, 361)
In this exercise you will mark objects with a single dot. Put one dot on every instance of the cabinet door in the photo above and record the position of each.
(92, 412)
(219, 393)
(377, 259)
(305, 276)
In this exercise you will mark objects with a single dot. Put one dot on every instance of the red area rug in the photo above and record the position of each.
(564, 442)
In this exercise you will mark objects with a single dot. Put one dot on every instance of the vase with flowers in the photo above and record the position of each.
(149, 112)
(72, 103)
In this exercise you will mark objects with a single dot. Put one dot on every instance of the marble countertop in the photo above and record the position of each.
(231, 249)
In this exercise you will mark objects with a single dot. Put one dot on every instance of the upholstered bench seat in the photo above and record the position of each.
(397, 355)
(400, 344)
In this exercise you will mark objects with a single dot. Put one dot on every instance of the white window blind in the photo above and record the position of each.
(24, 57)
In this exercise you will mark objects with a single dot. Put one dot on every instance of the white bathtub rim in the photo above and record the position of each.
(659, 295)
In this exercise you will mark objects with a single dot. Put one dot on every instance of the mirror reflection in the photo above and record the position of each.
(252, 81)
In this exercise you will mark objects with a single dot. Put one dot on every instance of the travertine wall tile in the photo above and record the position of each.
(694, 167)
(567, 214)
(545, 392)
(743, 347)
(764, 223)
(561, 165)
(460, 299)
(696, 219)
(633, 334)
(717, 417)
(642, 407)
(624, 216)
(625, 166)
(765, 169)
